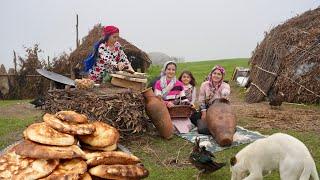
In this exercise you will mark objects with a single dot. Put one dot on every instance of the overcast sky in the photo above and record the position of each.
(195, 30)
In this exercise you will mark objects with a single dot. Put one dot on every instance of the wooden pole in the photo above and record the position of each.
(77, 30)
(15, 62)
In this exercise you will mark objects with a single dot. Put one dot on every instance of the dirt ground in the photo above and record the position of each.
(297, 117)
(20, 110)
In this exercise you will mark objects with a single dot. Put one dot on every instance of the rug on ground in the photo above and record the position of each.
(242, 136)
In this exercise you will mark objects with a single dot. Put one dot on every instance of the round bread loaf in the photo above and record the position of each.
(65, 127)
(71, 116)
(44, 134)
(105, 135)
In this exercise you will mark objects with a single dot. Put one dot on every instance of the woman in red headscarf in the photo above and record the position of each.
(108, 57)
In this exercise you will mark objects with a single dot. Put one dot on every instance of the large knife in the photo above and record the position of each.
(56, 77)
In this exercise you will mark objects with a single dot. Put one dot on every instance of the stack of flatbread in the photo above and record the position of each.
(67, 146)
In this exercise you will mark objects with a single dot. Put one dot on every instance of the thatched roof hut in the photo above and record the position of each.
(288, 61)
(138, 58)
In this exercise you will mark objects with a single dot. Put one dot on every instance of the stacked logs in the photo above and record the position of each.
(119, 107)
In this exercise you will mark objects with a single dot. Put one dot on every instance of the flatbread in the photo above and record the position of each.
(34, 150)
(72, 116)
(44, 134)
(14, 166)
(107, 148)
(85, 176)
(109, 158)
(105, 135)
(119, 171)
(69, 169)
(65, 127)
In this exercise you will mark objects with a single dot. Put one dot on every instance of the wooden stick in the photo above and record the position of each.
(275, 74)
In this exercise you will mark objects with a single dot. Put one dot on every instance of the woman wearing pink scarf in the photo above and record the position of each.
(210, 90)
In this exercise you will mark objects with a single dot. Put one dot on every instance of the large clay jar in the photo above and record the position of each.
(221, 121)
(158, 113)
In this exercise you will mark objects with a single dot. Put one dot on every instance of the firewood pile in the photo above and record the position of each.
(58, 148)
(119, 107)
(288, 61)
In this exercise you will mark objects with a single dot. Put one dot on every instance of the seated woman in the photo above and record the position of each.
(170, 90)
(210, 90)
(107, 56)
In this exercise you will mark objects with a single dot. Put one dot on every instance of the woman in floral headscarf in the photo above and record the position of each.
(213, 88)
(171, 91)
(107, 56)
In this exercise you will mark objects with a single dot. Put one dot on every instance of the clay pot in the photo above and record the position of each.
(221, 121)
(158, 113)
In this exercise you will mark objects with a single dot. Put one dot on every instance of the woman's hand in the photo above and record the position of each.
(203, 115)
(170, 104)
(121, 66)
(130, 69)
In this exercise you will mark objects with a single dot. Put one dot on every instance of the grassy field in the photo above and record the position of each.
(168, 159)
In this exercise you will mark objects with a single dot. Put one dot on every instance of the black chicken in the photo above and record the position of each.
(202, 159)
(38, 102)
(275, 100)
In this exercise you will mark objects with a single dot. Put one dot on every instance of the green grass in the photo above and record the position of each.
(11, 129)
(4, 103)
(13, 124)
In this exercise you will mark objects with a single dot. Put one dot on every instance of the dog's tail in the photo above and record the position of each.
(309, 170)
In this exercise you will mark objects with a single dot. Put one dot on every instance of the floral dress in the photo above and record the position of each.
(190, 92)
(107, 61)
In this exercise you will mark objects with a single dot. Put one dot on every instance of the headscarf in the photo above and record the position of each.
(214, 87)
(109, 30)
(166, 88)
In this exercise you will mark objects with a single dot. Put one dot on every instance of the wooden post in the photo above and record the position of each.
(77, 33)
(15, 62)
(77, 45)
(48, 61)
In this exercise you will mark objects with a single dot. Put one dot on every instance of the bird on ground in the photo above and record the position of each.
(201, 158)
(276, 99)
(38, 102)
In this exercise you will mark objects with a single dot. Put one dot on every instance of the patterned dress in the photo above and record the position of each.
(107, 61)
(190, 92)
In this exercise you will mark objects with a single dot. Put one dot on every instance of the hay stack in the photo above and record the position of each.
(138, 58)
(288, 60)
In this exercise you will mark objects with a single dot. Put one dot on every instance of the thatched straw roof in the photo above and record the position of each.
(132, 52)
(288, 60)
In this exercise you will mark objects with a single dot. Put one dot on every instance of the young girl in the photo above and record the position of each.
(169, 89)
(189, 84)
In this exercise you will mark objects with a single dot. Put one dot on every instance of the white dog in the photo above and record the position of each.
(279, 150)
